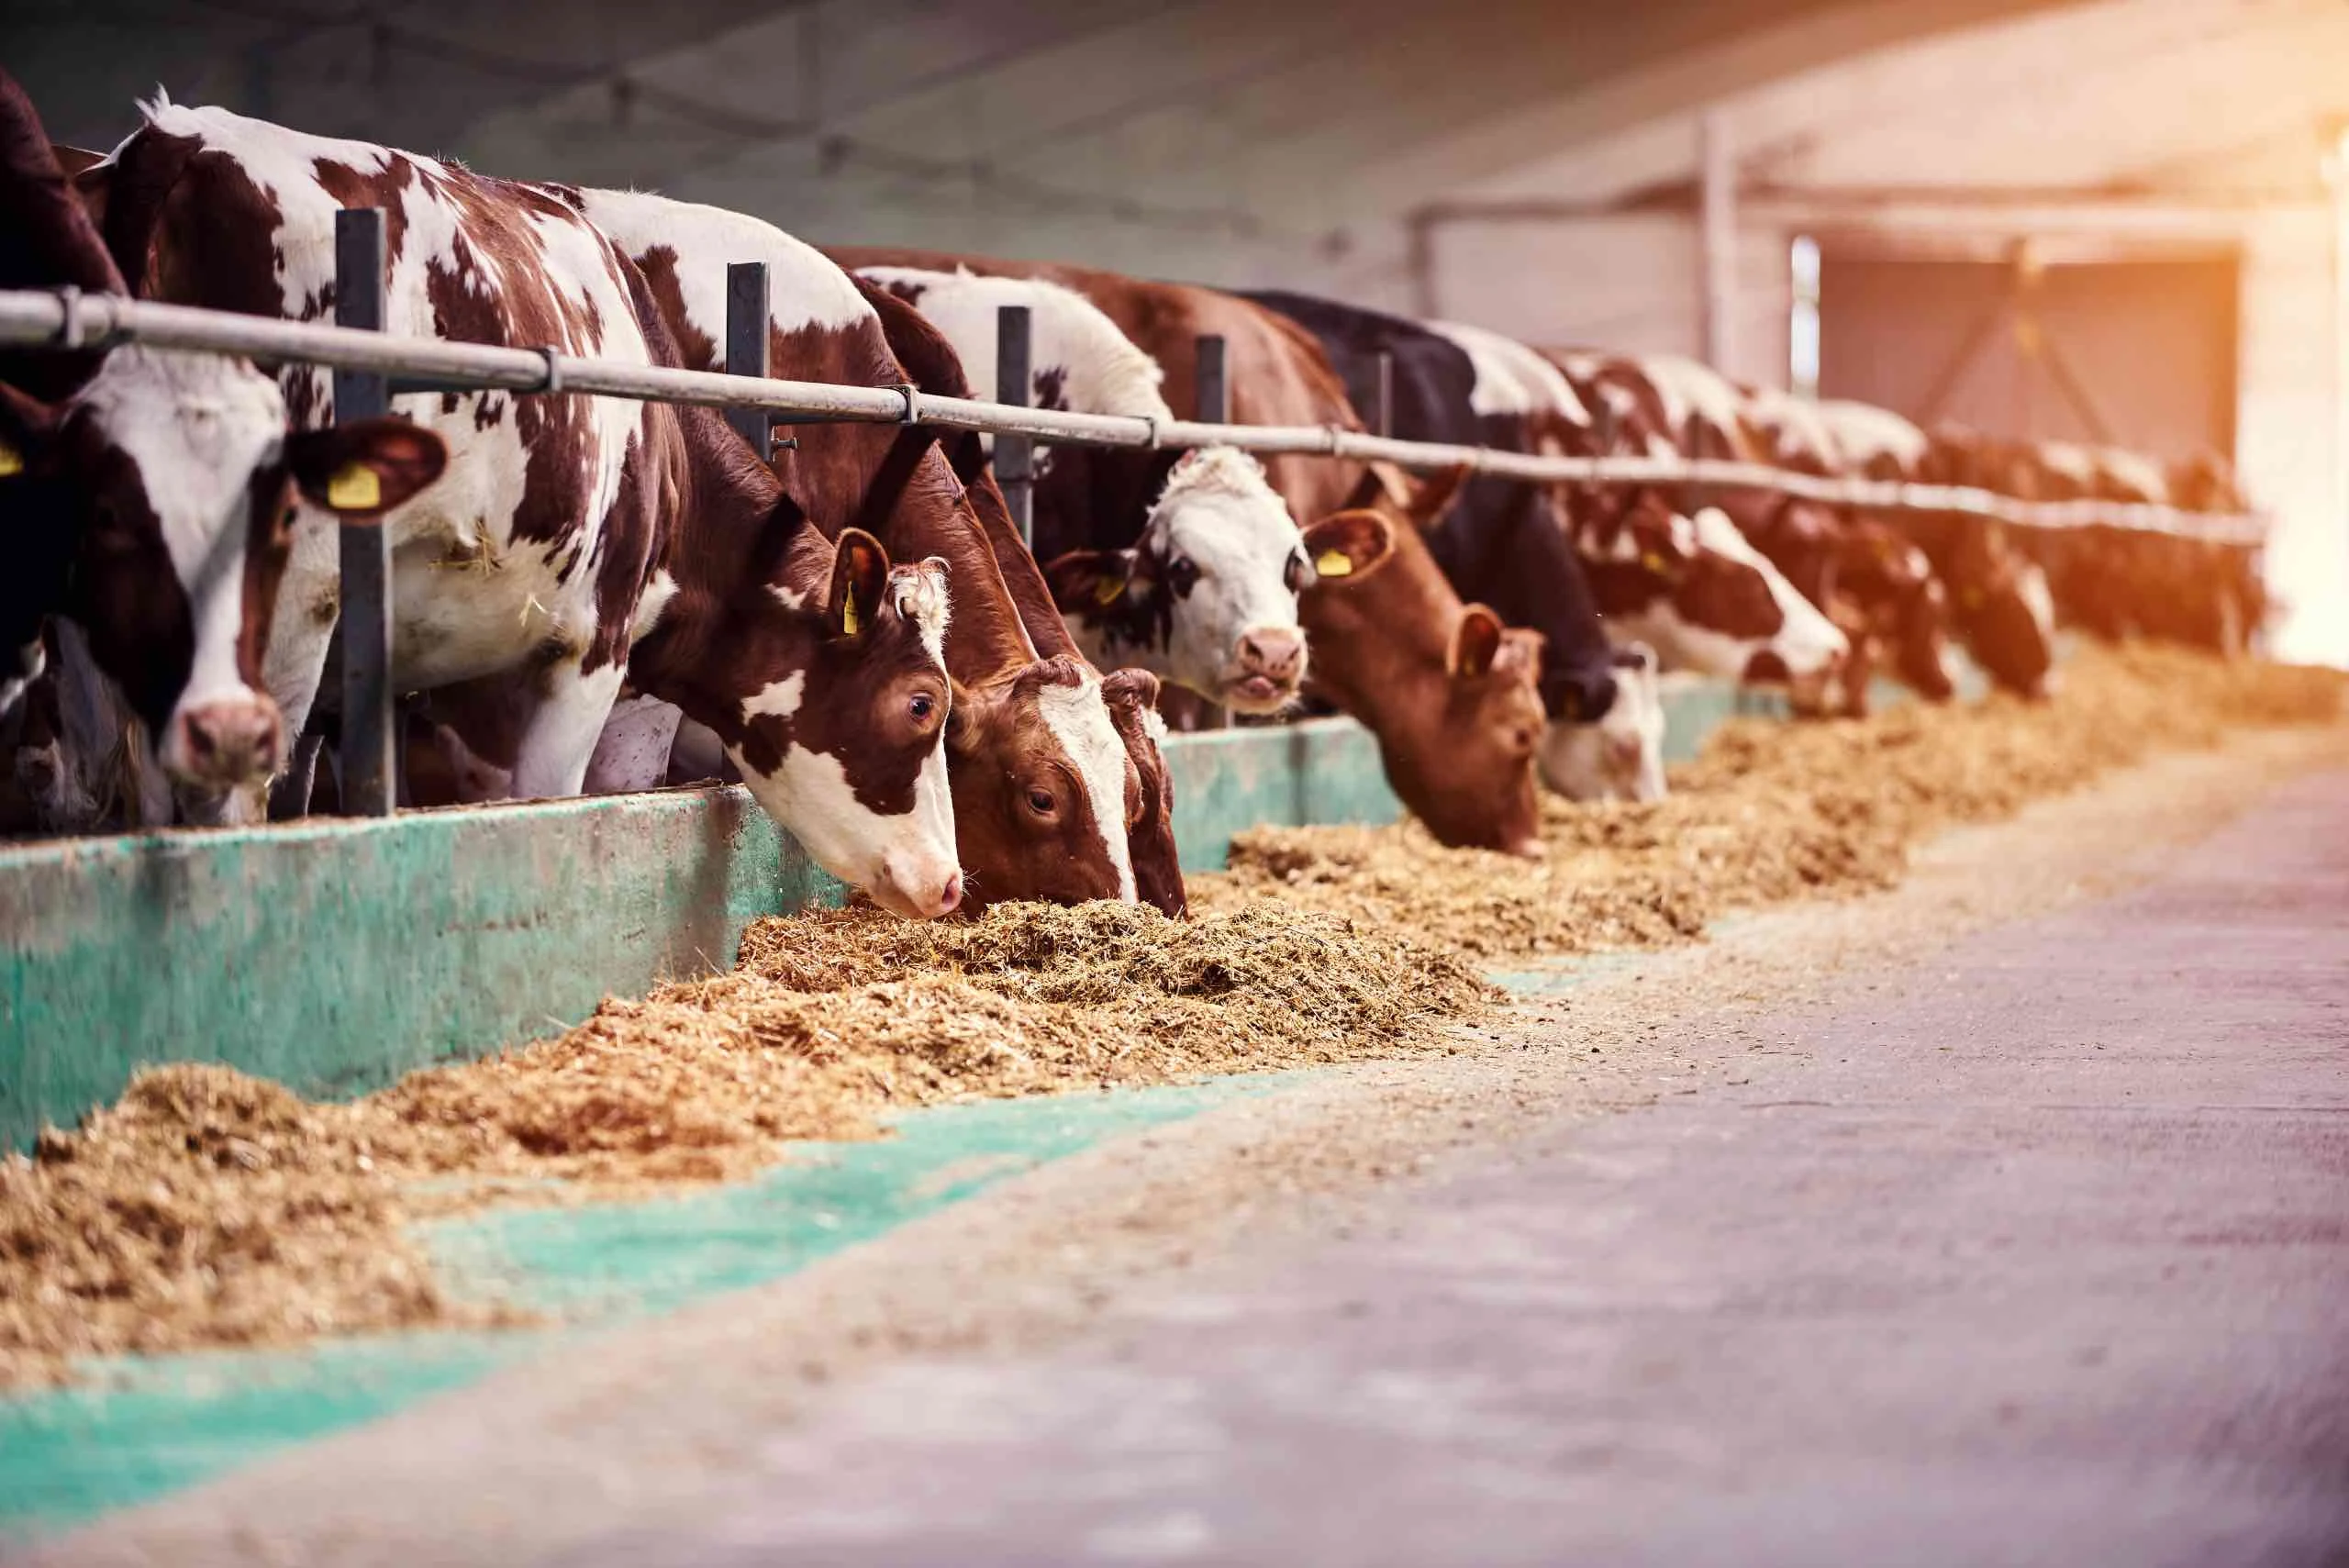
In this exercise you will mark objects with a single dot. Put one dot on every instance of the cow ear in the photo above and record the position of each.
(859, 577)
(1133, 688)
(1347, 545)
(1433, 496)
(366, 467)
(1475, 643)
(1085, 580)
(28, 426)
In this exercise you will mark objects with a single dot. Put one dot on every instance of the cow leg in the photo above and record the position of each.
(632, 753)
(559, 736)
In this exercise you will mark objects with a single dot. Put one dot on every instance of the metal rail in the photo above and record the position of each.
(66, 319)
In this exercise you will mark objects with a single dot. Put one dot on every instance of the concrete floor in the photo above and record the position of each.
(2038, 1257)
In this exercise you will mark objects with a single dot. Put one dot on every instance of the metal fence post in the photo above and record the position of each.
(370, 787)
(1214, 408)
(1382, 410)
(746, 348)
(1015, 456)
(1214, 386)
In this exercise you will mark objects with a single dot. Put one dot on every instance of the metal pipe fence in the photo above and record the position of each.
(65, 319)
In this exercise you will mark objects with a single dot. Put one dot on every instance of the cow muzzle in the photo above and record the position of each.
(226, 742)
(915, 891)
(1267, 665)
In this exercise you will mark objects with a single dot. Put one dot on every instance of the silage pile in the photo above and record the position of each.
(209, 1208)
(1770, 812)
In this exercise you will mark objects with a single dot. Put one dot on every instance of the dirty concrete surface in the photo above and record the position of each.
(2030, 1245)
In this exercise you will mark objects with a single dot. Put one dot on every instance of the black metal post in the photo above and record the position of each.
(1382, 413)
(369, 753)
(1214, 386)
(746, 348)
(1015, 456)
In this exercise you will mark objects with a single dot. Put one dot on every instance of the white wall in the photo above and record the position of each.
(2288, 428)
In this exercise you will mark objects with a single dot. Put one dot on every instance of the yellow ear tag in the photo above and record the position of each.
(1335, 563)
(12, 462)
(355, 487)
(849, 621)
(1971, 598)
(1654, 562)
(1107, 590)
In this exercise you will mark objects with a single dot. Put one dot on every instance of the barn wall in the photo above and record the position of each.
(2287, 428)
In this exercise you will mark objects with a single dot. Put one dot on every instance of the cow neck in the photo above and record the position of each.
(742, 551)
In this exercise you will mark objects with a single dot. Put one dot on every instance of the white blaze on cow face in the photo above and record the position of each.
(1079, 720)
(194, 434)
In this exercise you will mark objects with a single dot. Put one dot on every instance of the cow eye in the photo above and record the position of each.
(1182, 574)
(921, 706)
(1040, 802)
(1294, 575)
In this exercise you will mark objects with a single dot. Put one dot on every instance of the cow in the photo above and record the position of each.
(1040, 771)
(1880, 588)
(1669, 568)
(574, 543)
(1206, 595)
(149, 496)
(1501, 541)
(1449, 728)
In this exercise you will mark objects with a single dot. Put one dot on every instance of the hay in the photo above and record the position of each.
(1770, 812)
(207, 1208)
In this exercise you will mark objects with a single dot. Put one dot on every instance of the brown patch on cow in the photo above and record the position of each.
(385, 188)
(1023, 821)
(659, 266)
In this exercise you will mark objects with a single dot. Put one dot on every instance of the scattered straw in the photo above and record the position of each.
(210, 1208)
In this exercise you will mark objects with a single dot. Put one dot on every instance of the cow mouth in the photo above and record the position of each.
(1257, 694)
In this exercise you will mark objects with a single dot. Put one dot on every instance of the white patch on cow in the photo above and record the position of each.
(776, 699)
(1621, 756)
(2031, 581)
(197, 427)
(1074, 348)
(1079, 719)
(33, 659)
(1686, 387)
(657, 594)
(1808, 642)
(1797, 430)
(804, 289)
(2074, 462)
(1153, 724)
(921, 598)
(1865, 431)
(1219, 513)
(2139, 475)
(790, 598)
(1512, 378)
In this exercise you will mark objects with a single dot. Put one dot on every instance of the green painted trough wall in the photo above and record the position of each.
(335, 955)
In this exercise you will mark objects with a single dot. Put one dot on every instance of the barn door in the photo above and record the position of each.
(2139, 353)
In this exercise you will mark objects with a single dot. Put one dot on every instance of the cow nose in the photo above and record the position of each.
(1529, 848)
(951, 895)
(232, 739)
(1274, 652)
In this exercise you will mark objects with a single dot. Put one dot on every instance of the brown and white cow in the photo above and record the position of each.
(1673, 570)
(574, 542)
(1401, 655)
(147, 496)
(1207, 595)
(1041, 780)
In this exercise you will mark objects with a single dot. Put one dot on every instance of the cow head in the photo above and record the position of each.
(844, 741)
(1206, 598)
(1045, 793)
(1905, 608)
(2002, 608)
(1708, 601)
(177, 482)
(1468, 770)
(1621, 757)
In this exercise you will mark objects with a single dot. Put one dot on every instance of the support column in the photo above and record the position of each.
(1717, 239)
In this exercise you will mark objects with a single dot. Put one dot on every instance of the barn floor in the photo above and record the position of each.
(1999, 1218)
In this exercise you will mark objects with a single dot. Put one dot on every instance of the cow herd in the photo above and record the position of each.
(593, 594)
